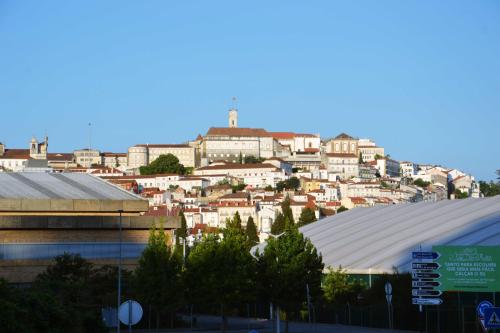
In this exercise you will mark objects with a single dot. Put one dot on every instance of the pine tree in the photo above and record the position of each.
(251, 232)
(278, 225)
(182, 231)
(287, 211)
(307, 216)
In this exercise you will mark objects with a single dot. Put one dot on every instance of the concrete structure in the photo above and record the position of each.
(342, 166)
(343, 144)
(46, 214)
(87, 157)
(380, 239)
(143, 154)
(369, 150)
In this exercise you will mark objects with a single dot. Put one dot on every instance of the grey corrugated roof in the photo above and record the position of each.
(379, 239)
(34, 185)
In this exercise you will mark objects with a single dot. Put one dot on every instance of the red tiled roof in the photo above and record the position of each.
(235, 166)
(342, 155)
(311, 150)
(238, 131)
(163, 145)
(290, 135)
(16, 154)
(60, 157)
(109, 154)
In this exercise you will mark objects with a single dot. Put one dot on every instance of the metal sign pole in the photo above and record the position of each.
(129, 316)
(119, 272)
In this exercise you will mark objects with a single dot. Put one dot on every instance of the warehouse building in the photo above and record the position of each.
(47, 214)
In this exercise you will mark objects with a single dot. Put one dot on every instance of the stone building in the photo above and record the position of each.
(143, 154)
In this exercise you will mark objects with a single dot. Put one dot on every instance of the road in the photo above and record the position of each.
(211, 324)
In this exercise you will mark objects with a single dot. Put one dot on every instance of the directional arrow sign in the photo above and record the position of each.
(424, 265)
(427, 301)
(425, 284)
(425, 255)
(425, 275)
(425, 292)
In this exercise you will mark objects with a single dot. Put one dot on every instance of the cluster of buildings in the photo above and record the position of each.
(330, 173)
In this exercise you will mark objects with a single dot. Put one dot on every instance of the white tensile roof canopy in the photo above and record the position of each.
(380, 239)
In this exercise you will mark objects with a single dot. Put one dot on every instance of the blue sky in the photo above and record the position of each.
(421, 78)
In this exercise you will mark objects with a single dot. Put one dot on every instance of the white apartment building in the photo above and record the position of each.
(368, 150)
(408, 169)
(342, 166)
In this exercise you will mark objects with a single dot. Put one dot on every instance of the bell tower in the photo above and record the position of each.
(233, 115)
(233, 118)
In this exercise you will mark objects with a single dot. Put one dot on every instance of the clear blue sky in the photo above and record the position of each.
(421, 78)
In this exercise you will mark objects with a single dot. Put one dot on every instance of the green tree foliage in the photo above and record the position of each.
(158, 276)
(360, 159)
(342, 209)
(251, 233)
(306, 216)
(163, 164)
(378, 156)
(278, 225)
(238, 187)
(181, 232)
(460, 195)
(287, 211)
(421, 183)
(220, 272)
(289, 264)
(233, 226)
(489, 189)
(293, 183)
(269, 188)
(339, 289)
(252, 159)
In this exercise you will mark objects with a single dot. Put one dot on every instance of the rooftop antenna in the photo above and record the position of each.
(90, 136)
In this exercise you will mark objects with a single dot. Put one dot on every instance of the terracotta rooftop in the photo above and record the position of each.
(235, 166)
(16, 154)
(342, 155)
(163, 145)
(238, 131)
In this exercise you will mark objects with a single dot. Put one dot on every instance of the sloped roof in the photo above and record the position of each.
(41, 185)
(238, 131)
(344, 136)
(378, 239)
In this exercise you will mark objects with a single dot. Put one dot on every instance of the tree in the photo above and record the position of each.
(421, 183)
(460, 195)
(158, 276)
(251, 233)
(287, 211)
(163, 164)
(360, 160)
(278, 225)
(252, 159)
(65, 292)
(306, 216)
(181, 232)
(489, 189)
(338, 288)
(238, 187)
(289, 265)
(220, 272)
(233, 226)
(378, 156)
(342, 209)
(293, 183)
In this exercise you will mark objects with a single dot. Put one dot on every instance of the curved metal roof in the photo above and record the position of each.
(381, 239)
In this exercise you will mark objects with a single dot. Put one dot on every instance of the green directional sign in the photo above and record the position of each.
(468, 268)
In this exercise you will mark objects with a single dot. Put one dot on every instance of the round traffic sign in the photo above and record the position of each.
(388, 288)
(130, 312)
(481, 306)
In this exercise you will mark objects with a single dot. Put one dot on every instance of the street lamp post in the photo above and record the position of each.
(119, 272)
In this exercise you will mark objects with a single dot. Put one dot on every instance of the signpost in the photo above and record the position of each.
(388, 297)
(423, 284)
(492, 318)
(481, 309)
(130, 313)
